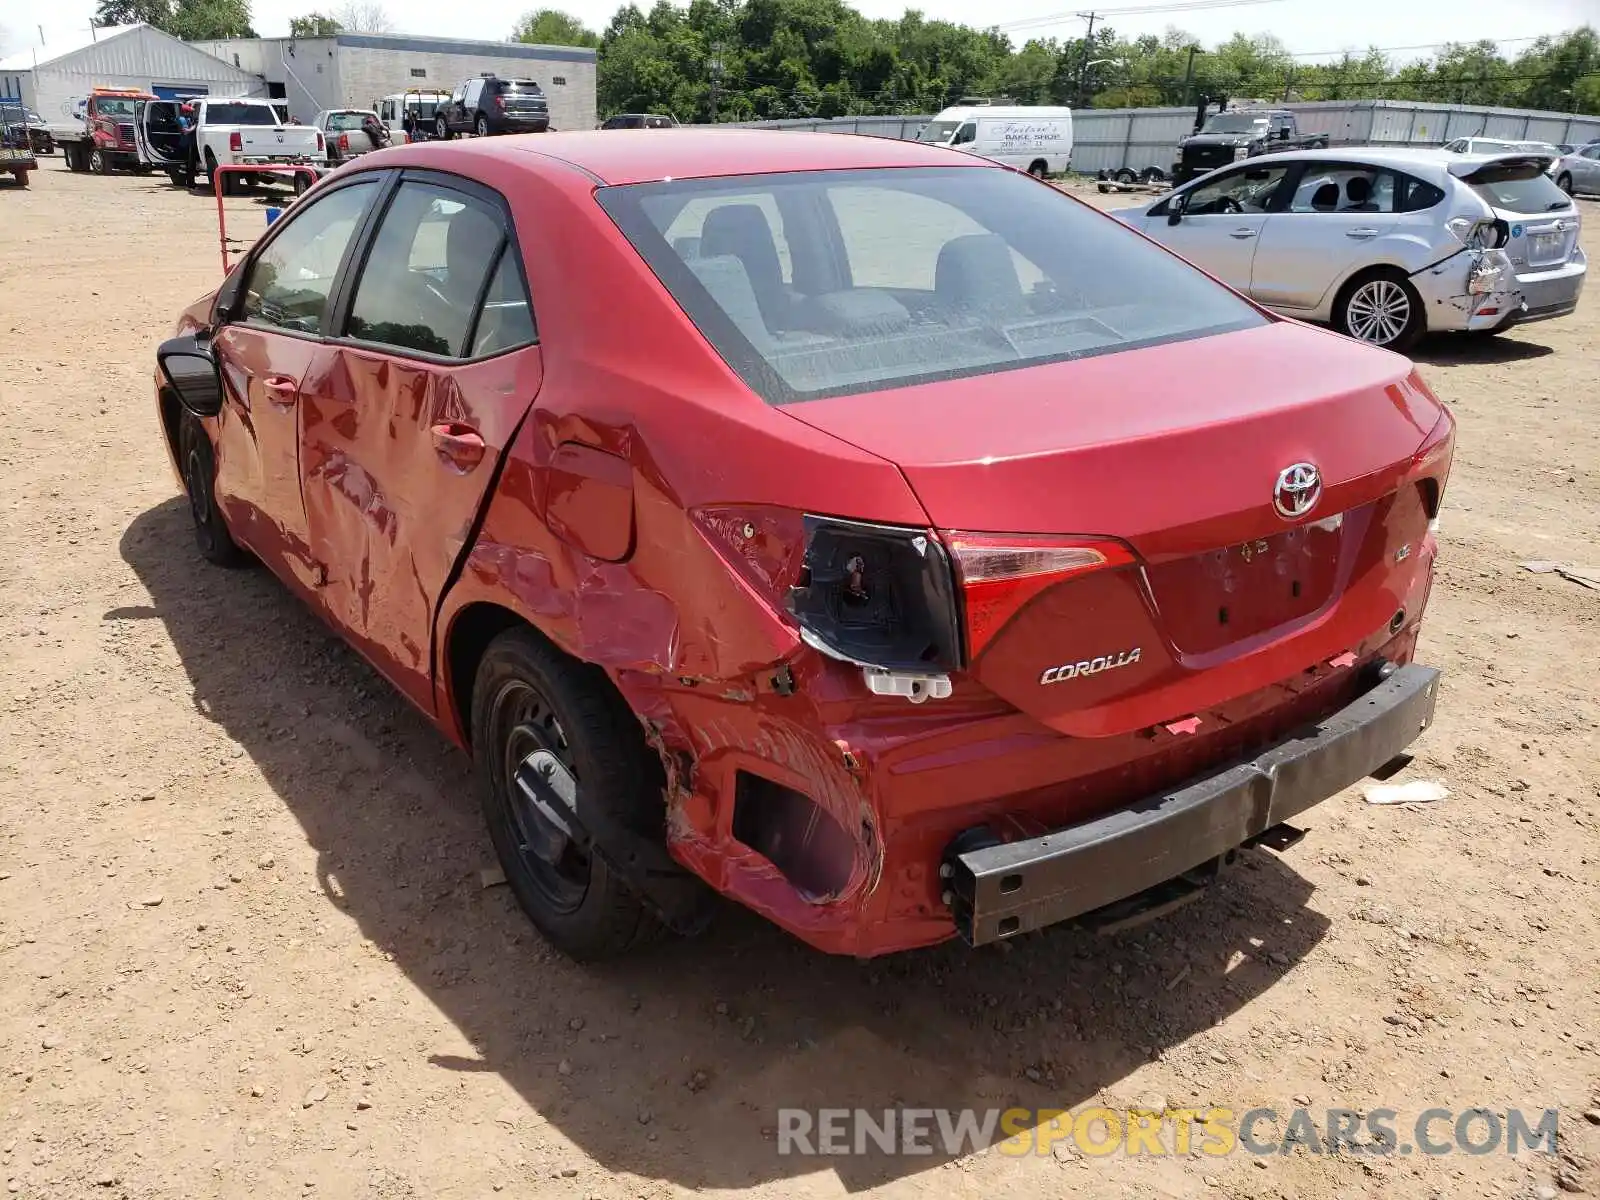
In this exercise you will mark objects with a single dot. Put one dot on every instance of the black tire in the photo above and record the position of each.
(199, 466)
(481, 126)
(302, 182)
(1127, 175)
(440, 129)
(1152, 175)
(1388, 312)
(1038, 168)
(530, 696)
(97, 162)
(1564, 182)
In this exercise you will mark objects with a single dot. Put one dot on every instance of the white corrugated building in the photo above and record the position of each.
(355, 70)
(51, 78)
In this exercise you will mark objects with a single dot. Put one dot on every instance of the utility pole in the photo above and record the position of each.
(1088, 48)
(1188, 76)
(716, 77)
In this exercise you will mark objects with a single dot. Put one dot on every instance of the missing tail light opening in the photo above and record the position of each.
(878, 596)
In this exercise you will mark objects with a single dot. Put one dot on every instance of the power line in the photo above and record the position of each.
(1424, 46)
(1132, 11)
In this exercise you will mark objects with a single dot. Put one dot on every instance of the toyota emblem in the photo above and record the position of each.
(1298, 489)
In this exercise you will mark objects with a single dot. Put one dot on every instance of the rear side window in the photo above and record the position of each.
(425, 274)
(240, 114)
(1536, 194)
(1415, 195)
(911, 275)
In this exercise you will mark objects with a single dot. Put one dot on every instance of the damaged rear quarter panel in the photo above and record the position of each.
(628, 380)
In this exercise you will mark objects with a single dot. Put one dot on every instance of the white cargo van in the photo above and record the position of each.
(1037, 140)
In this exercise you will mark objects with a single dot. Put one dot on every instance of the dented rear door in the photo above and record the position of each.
(406, 419)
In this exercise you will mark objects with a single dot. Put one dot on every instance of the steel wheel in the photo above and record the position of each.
(524, 723)
(97, 162)
(483, 126)
(1379, 311)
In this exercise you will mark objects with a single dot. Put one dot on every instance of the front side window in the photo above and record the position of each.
(290, 280)
(424, 276)
(1339, 188)
(910, 275)
(1248, 191)
(967, 133)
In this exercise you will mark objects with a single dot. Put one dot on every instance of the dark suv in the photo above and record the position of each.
(639, 121)
(493, 105)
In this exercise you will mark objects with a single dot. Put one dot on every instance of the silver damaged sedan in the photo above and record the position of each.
(1383, 244)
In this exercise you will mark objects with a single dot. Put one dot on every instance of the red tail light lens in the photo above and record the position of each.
(1000, 573)
(235, 141)
(343, 141)
(499, 101)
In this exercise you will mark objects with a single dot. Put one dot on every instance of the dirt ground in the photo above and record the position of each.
(245, 948)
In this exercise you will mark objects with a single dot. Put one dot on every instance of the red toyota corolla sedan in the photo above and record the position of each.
(860, 530)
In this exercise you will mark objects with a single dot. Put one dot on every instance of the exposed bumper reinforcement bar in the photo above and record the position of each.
(1000, 890)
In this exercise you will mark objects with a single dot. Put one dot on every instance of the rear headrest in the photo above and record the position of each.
(976, 271)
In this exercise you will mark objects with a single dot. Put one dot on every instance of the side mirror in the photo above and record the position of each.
(190, 368)
(1175, 207)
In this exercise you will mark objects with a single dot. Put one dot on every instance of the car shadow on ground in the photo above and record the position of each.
(1450, 349)
(683, 1055)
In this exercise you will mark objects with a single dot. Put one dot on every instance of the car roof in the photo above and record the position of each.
(1429, 162)
(626, 156)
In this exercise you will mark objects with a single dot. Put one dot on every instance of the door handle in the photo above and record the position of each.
(1361, 234)
(280, 389)
(459, 445)
(1241, 234)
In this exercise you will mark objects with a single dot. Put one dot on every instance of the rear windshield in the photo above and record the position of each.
(1536, 194)
(521, 85)
(830, 283)
(345, 122)
(240, 114)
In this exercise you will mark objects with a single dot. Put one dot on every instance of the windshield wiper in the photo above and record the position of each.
(1557, 204)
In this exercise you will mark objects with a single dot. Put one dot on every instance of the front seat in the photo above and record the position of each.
(470, 243)
(1325, 198)
(741, 231)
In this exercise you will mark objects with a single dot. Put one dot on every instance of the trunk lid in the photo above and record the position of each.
(1187, 455)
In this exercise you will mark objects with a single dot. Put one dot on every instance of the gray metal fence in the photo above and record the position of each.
(1112, 138)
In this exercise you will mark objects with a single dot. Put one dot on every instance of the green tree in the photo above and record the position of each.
(552, 27)
(313, 25)
(192, 20)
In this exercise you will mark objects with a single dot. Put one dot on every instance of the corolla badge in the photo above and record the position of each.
(1297, 491)
(1089, 666)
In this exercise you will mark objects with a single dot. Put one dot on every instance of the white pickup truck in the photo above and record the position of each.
(239, 131)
